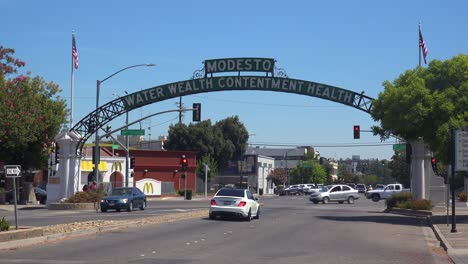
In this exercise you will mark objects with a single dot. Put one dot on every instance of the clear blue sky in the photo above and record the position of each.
(355, 45)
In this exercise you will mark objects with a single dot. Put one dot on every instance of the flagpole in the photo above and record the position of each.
(419, 42)
(72, 81)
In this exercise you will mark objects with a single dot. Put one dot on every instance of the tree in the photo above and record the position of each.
(223, 141)
(212, 165)
(279, 176)
(308, 172)
(425, 103)
(399, 169)
(235, 134)
(344, 175)
(31, 114)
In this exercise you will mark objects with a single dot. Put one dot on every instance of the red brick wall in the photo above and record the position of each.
(160, 165)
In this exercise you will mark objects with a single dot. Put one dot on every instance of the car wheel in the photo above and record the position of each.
(143, 205)
(350, 200)
(130, 206)
(315, 202)
(375, 197)
(258, 214)
(249, 215)
(103, 210)
(212, 216)
(325, 200)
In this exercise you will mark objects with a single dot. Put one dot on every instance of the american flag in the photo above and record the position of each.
(422, 45)
(74, 53)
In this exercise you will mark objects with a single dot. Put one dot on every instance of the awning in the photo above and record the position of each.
(87, 165)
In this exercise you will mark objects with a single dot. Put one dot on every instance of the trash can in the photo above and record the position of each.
(188, 195)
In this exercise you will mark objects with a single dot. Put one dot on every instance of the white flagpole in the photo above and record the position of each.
(72, 80)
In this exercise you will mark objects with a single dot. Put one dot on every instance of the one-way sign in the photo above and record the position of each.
(12, 171)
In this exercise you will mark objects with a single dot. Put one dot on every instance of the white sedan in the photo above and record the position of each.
(234, 202)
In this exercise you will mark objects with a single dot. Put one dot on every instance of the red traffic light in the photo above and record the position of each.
(184, 163)
(357, 132)
(433, 160)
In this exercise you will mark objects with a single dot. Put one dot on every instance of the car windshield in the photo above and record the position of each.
(125, 191)
(231, 192)
(324, 189)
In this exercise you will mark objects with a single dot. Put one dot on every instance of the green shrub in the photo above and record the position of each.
(422, 204)
(4, 224)
(86, 197)
(397, 199)
(462, 197)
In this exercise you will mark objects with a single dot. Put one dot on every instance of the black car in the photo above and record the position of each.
(41, 195)
(124, 198)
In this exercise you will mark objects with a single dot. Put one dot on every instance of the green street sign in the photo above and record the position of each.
(399, 146)
(115, 146)
(132, 132)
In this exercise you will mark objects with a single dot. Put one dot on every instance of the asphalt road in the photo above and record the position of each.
(40, 216)
(291, 230)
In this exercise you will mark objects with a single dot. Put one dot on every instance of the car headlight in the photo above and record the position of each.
(103, 201)
(124, 200)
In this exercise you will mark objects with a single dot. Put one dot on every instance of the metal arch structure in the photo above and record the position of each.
(105, 113)
(201, 82)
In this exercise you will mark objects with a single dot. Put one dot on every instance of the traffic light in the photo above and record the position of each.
(357, 132)
(108, 129)
(132, 162)
(184, 163)
(434, 165)
(196, 112)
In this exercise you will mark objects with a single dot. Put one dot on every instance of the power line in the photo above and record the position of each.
(338, 145)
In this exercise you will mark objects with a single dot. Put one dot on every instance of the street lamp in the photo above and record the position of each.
(96, 118)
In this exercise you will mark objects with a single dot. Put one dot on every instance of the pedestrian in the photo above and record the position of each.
(85, 188)
(93, 186)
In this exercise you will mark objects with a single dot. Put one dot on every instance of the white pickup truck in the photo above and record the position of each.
(388, 190)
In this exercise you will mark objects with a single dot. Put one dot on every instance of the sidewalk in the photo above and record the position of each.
(11, 207)
(456, 244)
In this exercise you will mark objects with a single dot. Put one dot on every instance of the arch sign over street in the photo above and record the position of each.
(203, 81)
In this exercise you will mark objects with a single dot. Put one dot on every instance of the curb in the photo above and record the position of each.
(409, 212)
(15, 244)
(439, 235)
(444, 242)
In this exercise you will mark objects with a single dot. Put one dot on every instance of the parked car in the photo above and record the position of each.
(336, 193)
(314, 189)
(41, 195)
(282, 191)
(234, 202)
(294, 190)
(361, 188)
(352, 185)
(307, 187)
(389, 190)
(124, 198)
(379, 187)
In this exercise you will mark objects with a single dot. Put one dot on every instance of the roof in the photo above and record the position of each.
(276, 152)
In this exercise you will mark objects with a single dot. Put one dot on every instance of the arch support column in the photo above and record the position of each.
(66, 181)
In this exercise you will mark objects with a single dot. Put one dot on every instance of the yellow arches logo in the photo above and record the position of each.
(148, 186)
(116, 166)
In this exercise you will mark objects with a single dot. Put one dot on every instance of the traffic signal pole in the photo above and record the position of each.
(454, 222)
